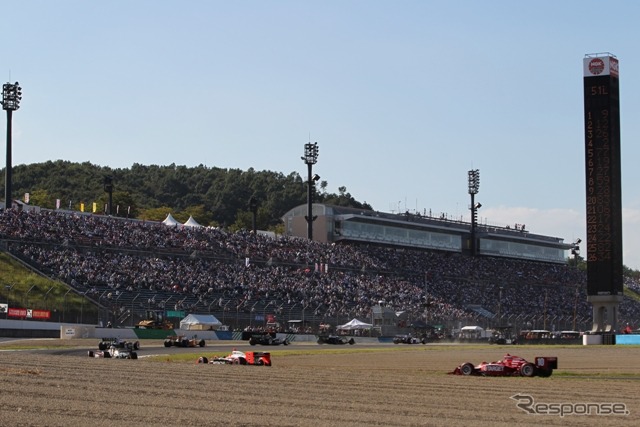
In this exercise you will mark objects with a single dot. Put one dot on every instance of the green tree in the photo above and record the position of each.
(42, 198)
(155, 214)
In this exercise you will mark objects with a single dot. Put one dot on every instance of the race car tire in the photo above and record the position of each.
(285, 342)
(252, 341)
(102, 346)
(133, 355)
(167, 343)
(91, 353)
(527, 370)
(259, 362)
(184, 343)
(203, 359)
(352, 341)
(467, 369)
(545, 373)
(107, 355)
(136, 345)
(201, 343)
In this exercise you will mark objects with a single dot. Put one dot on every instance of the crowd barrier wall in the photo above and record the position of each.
(631, 339)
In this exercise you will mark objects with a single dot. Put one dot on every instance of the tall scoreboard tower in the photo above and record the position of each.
(603, 186)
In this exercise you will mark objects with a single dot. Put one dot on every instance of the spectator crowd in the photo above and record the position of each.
(146, 264)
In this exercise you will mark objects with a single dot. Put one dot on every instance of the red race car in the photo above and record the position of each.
(256, 358)
(510, 366)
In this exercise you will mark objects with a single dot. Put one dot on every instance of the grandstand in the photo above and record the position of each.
(334, 224)
(130, 267)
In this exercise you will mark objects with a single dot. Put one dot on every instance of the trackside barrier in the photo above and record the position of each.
(599, 339)
(609, 339)
(592, 339)
(624, 339)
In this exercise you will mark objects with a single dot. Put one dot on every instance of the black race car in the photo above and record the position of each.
(335, 339)
(408, 339)
(108, 343)
(182, 341)
(266, 339)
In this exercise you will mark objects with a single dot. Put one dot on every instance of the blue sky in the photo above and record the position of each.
(403, 97)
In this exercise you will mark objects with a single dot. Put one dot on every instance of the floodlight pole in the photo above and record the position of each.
(310, 158)
(253, 207)
(11, 96)
(108, 188)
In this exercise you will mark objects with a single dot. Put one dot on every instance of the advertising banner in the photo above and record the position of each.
(27, 313)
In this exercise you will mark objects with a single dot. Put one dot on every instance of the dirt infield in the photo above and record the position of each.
(354, 386)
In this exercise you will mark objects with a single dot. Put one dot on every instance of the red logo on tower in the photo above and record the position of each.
(596, 66)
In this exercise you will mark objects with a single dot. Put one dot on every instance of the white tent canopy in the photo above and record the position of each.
(171, 221)
(355, 324)
(192, 223)
(200, 322)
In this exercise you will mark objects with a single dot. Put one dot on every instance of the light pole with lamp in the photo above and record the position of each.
(11, 96)
(9, 288)
(26, 296)
(44, 297)
(238, 307)
(117, 309)
(474, 187)
(224, 310)
(132, 301)
(544, 323)
(575, 251)
(251, 315)
(310, 158)
(253, 208)
(108, 188)
(575, 307)
(64, 305)
(500, 305)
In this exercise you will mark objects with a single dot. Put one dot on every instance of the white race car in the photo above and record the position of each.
(256, 358)
(113, 353)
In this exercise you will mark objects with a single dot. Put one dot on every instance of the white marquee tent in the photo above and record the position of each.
(355, 324)
(192, 223)
(200, 322)
(171, 221)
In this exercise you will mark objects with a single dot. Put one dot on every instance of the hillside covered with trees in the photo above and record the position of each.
(213, 196)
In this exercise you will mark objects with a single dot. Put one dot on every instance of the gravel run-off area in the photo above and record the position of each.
(329, 386)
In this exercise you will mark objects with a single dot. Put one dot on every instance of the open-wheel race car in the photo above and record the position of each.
(266, 339)
(408, 339)
(335, 339)
(108, 343)
(182, 341)
(113, 353)
(255, 358)
(542, 366)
